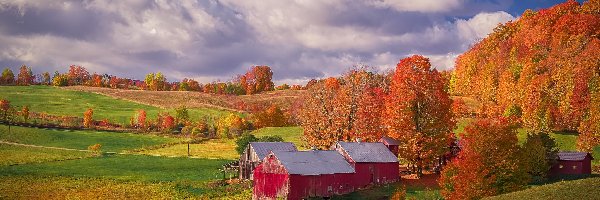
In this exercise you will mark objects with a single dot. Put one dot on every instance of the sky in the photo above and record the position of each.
(218, 39)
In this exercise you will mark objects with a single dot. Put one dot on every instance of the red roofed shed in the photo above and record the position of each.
(572, 163)
(391, 144)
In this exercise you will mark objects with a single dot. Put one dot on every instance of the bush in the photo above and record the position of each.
(95, 149)
(243, 141)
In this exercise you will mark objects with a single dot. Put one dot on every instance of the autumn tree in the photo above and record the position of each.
(46, 80)
(540, 63)
(418, 111)
(257, 79)
(78, 75)
(488, 163)
(168, 123)
(343, 109)
(4, 107)
(270, 117)
(25, 113)
(88, 121)
(60, 79)
(589, 130)
(25, 76)
(141, 118)
(156, 82)
(182, 115)
(8, 77)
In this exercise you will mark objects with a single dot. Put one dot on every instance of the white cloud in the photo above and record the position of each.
(481, 25)
(426, 6)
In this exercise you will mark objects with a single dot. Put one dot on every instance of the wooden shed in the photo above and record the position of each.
(572, 163)
(302, 174)
(391, 144)
(374, 163)
(256, 151)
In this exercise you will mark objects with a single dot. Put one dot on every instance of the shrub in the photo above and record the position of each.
(95, 149)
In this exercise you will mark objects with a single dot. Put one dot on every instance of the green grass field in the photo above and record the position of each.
(56, 101)
(125, 167)
(13, 154)
(225, 148)
(289, 134)
(110, 141)
(210, 149)
(567, 190)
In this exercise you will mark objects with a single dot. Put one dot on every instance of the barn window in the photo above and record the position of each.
(329, 189)
(574, 167)
(560, 166)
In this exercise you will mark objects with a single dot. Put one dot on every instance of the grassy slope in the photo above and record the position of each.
(211, 149)
(225, 148)
(125, 167)
(567, 190)
(110, 141)
(12, 154)
(289, 134)
(58, 101)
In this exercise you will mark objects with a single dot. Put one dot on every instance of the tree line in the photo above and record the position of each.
(257, 79)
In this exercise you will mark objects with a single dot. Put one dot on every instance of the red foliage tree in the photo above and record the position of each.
(488, 163)
(141, 118)
(258, 79)
(418, 111)
(25, 76)
(78, 75)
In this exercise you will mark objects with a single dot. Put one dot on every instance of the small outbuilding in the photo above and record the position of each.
(374, 163)
(302, 174)
(256, 151)
(391, 144)
(572, 163)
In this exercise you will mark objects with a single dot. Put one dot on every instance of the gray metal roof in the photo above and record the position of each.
(574, 156)
(263, 148)
(362, 152)
(389, 140)
(313, 162)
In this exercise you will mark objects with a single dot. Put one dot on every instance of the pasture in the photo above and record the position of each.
(57, 101)
(567, 190)
(13, 154)
(76, 139)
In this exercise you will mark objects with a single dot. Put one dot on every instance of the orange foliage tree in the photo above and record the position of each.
(25, 76)
(141, 118)
(257, 79)
(78, 75)
(343, 109)
(418, 111)
(271, 117)
(488, 163)
(87, 118)
(545, 57)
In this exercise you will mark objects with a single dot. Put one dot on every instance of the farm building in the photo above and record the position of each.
(374, 163)
(256, 151)
(391, 144)
(302, 174)
(572, 163)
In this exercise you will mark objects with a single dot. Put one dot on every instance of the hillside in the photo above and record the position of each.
(174, 99)
(547, 62)
(577, 189)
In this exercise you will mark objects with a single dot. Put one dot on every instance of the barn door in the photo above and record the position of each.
(312, 190)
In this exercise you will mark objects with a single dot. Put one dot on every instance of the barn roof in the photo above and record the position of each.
(314, 162)
(573, 156)
(368, 152)
(389, 141)
(263, 148)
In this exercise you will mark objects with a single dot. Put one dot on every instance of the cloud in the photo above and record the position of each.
(211, 40)
(425, 6)
(481, 25)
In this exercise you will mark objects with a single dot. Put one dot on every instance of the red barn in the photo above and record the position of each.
(374, 163)
(255, 152)
(391, 144)
(302, 174)
(572, 163)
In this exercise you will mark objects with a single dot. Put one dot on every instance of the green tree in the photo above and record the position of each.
(539, 153)
(8, 77)
(182, 115)
(243, 141)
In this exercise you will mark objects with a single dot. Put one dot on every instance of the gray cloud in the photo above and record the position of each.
(211, 39)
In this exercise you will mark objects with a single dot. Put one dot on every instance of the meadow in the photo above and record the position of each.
(58, 101)
(80, 139)
(15, 155)
(567, 190)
